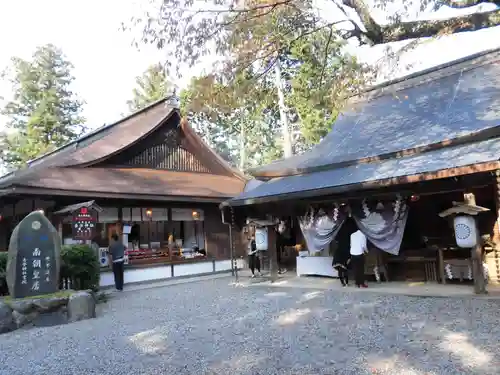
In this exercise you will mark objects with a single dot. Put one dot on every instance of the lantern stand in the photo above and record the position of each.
(467, 235)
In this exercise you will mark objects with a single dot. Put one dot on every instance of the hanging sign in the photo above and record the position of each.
(84, 224)
(261, 238)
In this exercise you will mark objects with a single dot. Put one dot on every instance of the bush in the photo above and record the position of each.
(80, 266)
(4, 290)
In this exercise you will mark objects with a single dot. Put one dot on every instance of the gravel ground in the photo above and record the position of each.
(211, 327)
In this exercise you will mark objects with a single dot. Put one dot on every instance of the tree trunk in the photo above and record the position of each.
(477, 254)
(285, 128)
(243, 151)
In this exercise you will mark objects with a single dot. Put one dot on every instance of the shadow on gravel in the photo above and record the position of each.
(212, 328)
(376, 335)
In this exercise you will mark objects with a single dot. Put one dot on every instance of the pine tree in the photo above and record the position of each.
(152, 86)
(44, 113)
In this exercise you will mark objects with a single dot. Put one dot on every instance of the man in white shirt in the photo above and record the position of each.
(358, 250)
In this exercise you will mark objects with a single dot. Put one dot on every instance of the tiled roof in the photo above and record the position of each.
(341, 179)
(70, 168)
(136, 181)
(448, 102)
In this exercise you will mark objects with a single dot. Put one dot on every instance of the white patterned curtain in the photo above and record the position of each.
(320, 227)
(382, 222)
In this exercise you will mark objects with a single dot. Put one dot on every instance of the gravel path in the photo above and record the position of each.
(211, 327)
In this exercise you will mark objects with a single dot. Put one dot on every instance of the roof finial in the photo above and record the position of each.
(171, 97)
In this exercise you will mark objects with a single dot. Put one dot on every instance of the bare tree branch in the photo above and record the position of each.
(378, 34)
(468, 3)
(422, 29)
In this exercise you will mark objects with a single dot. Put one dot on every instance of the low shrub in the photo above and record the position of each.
(4, 290)
(80, 267)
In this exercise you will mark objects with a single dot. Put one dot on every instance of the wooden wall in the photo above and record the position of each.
(216, 234)
(165, 149)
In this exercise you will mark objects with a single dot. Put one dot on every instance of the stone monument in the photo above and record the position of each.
(34, 257)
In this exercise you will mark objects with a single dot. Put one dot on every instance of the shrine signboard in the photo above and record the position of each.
(34, 257)
(84, 223)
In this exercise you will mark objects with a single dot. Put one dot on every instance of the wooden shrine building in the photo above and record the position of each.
(428, 138)
(152, 178)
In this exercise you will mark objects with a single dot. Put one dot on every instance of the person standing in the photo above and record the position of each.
(341, 260)
(253, 256)
(358, 249)
(117, 260)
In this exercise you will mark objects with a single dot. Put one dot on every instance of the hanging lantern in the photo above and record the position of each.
(465, 231)
(195, 215)
(414, 198)
(149, 213)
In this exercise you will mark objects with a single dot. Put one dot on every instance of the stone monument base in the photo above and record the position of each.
(42, 311)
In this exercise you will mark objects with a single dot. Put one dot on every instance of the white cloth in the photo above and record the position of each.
(358, 243)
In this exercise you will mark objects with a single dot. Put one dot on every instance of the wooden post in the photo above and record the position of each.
(492, 259)
(476, 254)
(442, 275)
(273, 253)
(171, 247)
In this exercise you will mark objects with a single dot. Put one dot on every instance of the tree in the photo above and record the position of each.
(231, 124)
(44, 113)
(152, 86)
(314, 90)
(191, 29)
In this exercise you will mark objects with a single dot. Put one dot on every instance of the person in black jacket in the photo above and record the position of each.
(341, 260)
(253, 256)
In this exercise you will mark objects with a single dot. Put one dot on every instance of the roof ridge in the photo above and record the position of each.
(74, 144)
(99, 130)
(378, 89)
(474, 137)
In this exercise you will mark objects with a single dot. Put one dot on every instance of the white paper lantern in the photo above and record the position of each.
(465, 231)
(261, 238)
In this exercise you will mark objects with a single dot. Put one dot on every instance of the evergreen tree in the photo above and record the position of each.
(44, 113)
(152, 86)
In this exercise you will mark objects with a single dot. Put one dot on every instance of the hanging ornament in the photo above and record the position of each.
(447, 269)
(366, 210)
(335, 214)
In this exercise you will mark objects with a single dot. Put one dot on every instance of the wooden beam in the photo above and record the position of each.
(476, 253)
(97, 194)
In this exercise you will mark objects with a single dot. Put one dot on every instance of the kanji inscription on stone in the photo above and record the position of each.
(34, 257)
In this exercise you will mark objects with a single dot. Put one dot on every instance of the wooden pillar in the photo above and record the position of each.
(169, 229)
(493, 260)
(273, 252)
(442, 275)
(476, 254)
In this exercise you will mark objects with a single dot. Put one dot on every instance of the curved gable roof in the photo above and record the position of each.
(110, 140)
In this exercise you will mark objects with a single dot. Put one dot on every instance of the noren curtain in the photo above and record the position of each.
(320, 228)
(382, 222)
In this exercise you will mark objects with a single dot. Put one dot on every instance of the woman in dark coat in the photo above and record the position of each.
(341, 260)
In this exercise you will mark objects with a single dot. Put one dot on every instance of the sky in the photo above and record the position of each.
(106, 64)
(89, 33)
